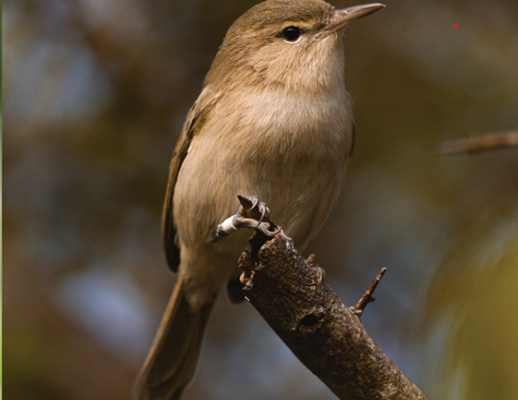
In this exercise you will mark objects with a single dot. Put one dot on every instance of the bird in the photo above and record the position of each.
(273, 120)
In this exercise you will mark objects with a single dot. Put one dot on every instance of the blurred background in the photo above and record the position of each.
(94, 96)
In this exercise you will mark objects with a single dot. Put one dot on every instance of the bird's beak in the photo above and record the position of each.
(345, 16)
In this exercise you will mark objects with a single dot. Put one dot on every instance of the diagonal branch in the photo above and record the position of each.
(325, 334)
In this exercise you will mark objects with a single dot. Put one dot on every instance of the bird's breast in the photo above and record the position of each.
(288, 150)
(274, 121)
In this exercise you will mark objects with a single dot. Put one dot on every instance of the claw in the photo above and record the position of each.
(255, 202)
(264, 211)
(252, 214)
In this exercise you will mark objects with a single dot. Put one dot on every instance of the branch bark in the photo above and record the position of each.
(325, 334)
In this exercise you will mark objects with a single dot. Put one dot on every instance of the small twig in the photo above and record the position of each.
(367, 296)
(473, 144)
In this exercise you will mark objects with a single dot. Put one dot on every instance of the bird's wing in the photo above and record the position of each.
(194, 122)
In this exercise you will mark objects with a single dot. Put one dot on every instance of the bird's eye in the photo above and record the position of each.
(291, 33)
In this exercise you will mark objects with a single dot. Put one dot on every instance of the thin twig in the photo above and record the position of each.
(367, 296)
(478, 143)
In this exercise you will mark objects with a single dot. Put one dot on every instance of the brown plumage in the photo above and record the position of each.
(273, 120)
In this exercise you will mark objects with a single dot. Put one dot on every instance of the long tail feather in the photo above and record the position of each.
(171, 362)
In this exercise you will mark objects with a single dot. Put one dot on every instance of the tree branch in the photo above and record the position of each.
(478, 143)
(325, 334)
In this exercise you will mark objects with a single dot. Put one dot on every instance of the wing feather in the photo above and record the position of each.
(194, 122)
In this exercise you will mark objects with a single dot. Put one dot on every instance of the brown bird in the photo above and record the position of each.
(273, 120)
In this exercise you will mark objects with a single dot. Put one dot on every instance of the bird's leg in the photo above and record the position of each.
(252, 214)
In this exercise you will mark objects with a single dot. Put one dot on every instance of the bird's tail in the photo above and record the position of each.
(171, 362)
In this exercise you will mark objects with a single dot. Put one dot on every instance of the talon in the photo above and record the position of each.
(255, 202)
(274, 232)
(252, 214)
(264, 210)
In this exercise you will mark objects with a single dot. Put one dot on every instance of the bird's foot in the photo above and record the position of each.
(252, 214)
